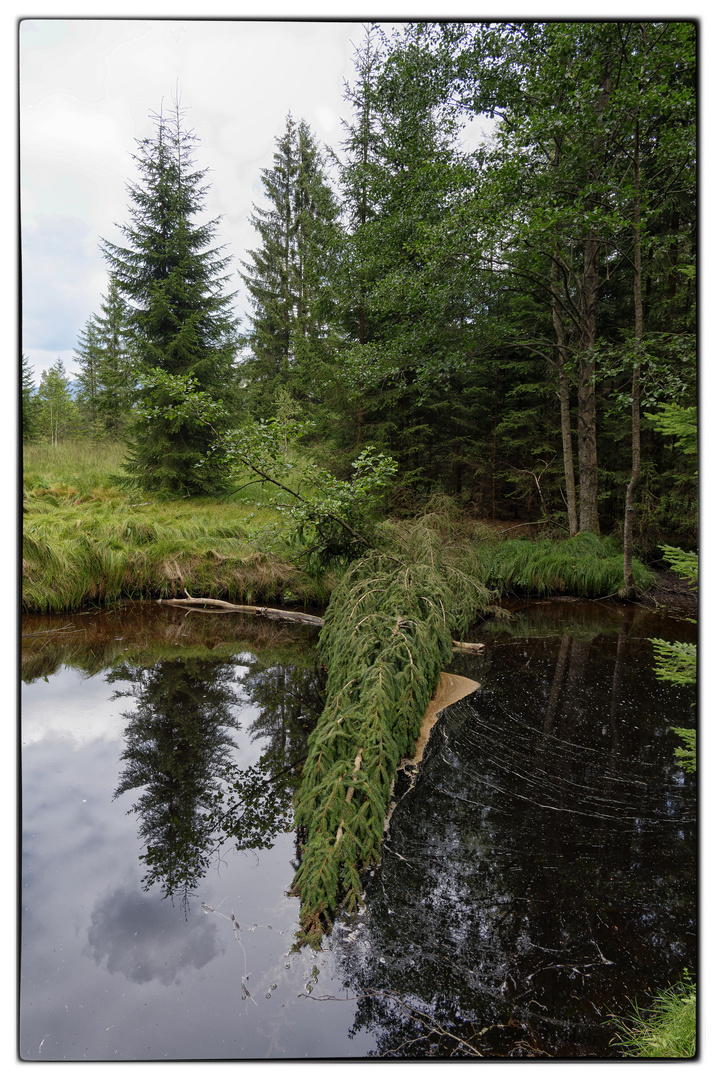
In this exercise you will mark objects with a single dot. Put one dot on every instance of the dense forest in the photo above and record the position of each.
(510, 317)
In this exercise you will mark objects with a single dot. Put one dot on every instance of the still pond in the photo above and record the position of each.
(539, 876)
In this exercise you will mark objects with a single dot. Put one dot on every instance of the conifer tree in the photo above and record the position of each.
(410, 296)
(86, 357)
(29, 403)
(288, 276)
(58, 416)
(116, 369)
(106, 373)
(179, 322)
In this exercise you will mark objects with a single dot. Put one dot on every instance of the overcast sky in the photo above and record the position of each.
(87, 89)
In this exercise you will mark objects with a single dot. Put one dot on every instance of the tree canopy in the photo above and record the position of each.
(492, 280)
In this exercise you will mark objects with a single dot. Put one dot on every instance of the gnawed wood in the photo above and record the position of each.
(247, 609)
(451, 688)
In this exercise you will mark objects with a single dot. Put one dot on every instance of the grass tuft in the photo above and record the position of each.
(667, 1029)
(583, 565)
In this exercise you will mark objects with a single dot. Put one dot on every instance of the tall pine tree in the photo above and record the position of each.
(180, 323)
(288, 277)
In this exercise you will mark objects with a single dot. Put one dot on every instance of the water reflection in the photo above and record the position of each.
(130, 935)
(541, 874)
(258, 800)
(193, 794)
(177, 750)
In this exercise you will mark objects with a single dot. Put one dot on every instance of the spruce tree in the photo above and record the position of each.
(115, 367)
(29, 403)
(288, 276)
(410, 277)
(179, 322)
(86, 357)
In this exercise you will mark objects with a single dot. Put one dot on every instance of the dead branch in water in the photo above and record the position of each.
(467, 646)
(281, 613)
(247, 609)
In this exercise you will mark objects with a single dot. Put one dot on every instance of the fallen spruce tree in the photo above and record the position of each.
(387, 634)
(390, 628)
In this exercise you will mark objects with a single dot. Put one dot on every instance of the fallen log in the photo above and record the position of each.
(247, 609)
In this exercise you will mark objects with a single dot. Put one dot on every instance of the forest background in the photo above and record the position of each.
(513, 325)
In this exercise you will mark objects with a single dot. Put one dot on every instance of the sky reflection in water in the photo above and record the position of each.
(540, 874)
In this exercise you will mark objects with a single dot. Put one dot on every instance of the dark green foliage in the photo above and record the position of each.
(289, 281)
(387, 634)
(105, 369)
(179, 318)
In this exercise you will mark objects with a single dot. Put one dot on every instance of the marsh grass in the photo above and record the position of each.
(667, 1029)
(80, 467)
(584, 565)
(87, 541)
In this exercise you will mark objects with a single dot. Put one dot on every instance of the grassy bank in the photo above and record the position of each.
(87, 541)
(667, 1029)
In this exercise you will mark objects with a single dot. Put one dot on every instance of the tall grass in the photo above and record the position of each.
(667, 1029)
(98, 553)
(81, 465)
(583, 565)
(86, 540)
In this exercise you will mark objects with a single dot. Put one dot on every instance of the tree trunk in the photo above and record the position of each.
(628, 579)
(587, 448)
(564, 398)
(588, 304)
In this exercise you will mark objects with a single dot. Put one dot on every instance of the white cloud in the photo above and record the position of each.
(87, 92)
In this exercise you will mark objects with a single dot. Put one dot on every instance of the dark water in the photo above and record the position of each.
(540, 875)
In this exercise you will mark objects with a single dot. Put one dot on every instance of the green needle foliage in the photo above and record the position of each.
(179, 314)
(677, 661)
(386, 637)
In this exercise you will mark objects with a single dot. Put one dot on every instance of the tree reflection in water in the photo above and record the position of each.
(180, 751)
(541, 874)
